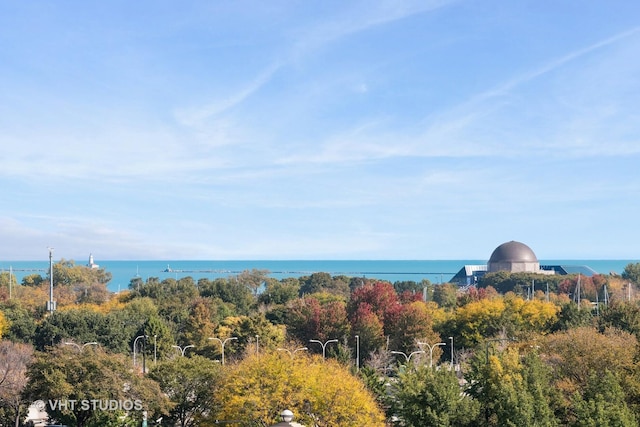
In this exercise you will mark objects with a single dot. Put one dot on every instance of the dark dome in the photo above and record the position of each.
(512, 252)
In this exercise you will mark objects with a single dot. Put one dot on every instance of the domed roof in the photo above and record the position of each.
(513, 252)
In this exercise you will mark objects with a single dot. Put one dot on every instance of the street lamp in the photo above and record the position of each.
(357, 352)
(293, 353)
(431, 348)
(183, 349)
(222, 344)
(155, 350)
(81, 348)
(451, 339)
(134, 347)
(407, 358)
(324, 345)
(287, 416)
(257, 344)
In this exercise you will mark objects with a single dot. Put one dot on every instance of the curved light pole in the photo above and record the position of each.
(79, 347)
(431, 348)
(407, 358)
(134, 347)
(183, 349)
(222, 344)
(293, 353)
(324, 345)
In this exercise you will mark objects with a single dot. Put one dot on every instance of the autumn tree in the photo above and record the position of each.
(309, 319)
(412, 325)
(578, 353)
(14, 360)
(318, 392)
(381, 299)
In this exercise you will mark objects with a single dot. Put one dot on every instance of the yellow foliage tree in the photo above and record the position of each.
(318, 392)
(4, 324)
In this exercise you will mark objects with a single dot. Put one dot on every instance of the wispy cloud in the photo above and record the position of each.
(485, 125)
(365, 16)
(195, 116)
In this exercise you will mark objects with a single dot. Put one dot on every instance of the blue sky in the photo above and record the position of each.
(319, 130)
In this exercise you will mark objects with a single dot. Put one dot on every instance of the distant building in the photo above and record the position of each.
(514, 257)
(92, 264)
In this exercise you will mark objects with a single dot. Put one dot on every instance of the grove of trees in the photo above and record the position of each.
(337, 351)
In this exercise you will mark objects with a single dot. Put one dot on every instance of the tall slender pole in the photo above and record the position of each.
(257, 345)
(358, 352)
(451, 339)
(155, 350)
(51, 304)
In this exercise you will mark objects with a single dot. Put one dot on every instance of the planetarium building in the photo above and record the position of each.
(514, 257)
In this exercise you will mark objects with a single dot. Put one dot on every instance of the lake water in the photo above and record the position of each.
(436, 271)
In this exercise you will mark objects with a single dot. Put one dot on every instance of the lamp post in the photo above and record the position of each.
(286, 417)
(222, 344)
(324, 345)
(431, 348)
(257, 344)
(155, 350)
(407, 358)
(293, 353)
(79, 347)
(358, 352)
(451, 339)
(134, 347)
(183, 349)
(51, 306)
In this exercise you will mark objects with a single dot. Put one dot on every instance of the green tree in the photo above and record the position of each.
(190, 383)
(230, 292)
(71, 381)
(602, 404)
(621, 315)
(430, 397)
(445, 295)
(280, 292)
(632, 273)
(323, 282)
(511, 390)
